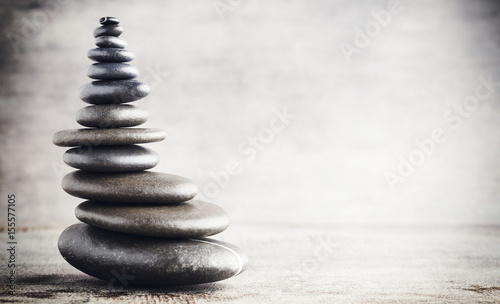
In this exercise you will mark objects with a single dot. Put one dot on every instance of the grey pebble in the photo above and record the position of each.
(108, 30)
(149, 261)
(110, 55)
(111, 116)
(190, 219)
(112, 71)
(145, 187)
(113, 91)
(110, 42)
(104, 137)
(108, 20)
(123, 158)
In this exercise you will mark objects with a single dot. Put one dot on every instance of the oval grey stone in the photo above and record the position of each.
(108, 20)
(149, 261)
(191, 219)
(111, 116)
(108, 30)
(131, 188)
(104, 137)
(112, 70)
(110, 42)
(110, 55)
(113, 91)
(126, 158)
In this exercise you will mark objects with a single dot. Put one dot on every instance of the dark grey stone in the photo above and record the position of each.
(108, 30)
(126, 158)
(191, 219)
(110, 42)
(104, 137)
(113, 91)
(111, 116)
(112, 70)
(110, 55)
(143, 187)
(148, 261)
(108, 20)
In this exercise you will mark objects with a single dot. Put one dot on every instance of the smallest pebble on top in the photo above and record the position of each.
(109, 20)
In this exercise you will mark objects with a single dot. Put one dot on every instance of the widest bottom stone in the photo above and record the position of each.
(149, 261)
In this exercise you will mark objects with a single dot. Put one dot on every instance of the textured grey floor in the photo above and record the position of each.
(298, 264)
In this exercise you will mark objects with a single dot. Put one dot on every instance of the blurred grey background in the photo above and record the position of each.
(363, 86)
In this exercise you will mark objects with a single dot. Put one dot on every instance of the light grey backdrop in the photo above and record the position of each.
(219, 71)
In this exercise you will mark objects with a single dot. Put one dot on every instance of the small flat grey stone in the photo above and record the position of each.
(113, 91)
(108, 30)
(105, 137)
(148, 261)
(123, 158)
(112, 70)
(111, 116)
(191, 219)
(143, 187)
(110, 42)
(110, 55)
(108, 20)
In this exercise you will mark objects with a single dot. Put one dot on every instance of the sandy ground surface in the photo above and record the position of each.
(313, 264)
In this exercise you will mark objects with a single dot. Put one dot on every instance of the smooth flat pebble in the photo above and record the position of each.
(110, 55)
(108, 20)
(110, 42)
(111, 116)
(108, 30)
(105, 137)
(113, 91)
(149, 261)
(112, 70)
(191, 219)
(122, 158)
(144, 187)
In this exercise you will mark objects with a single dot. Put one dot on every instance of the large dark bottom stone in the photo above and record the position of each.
(123, 259)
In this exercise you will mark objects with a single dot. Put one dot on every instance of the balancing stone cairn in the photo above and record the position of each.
(139, 227)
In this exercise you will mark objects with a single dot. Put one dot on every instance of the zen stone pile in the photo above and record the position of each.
(139, 227)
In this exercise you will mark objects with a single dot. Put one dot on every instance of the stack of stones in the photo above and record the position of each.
(139, 227)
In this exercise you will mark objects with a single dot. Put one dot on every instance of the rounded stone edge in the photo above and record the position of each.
(81, 213)
(108, 20)
(140, 91)
(110, 168)
(108, 30)
(110, 42)
(112, 57)
(98, 71)
(104, 141)
(188, 192)
(104, 121)
(83, 229)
